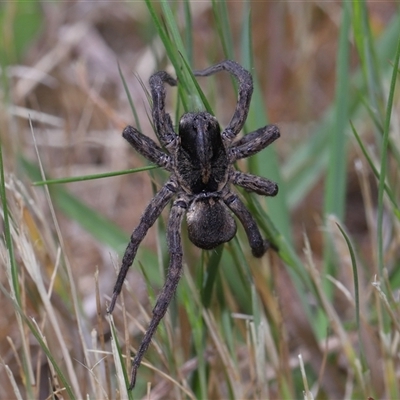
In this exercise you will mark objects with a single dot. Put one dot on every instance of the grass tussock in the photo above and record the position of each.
(319, 319)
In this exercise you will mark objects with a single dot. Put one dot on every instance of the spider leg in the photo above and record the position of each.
(147, 147)
(178, 210)
(162, 120)
(253, 142)
(151, 213)
(244, 96)
(258, 245)
(254, 183)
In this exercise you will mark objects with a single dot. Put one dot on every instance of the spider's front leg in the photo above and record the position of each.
(253, 142)
(254, 183)
(147, 148)
(151, 213)
(162, 121)
(174, 273)
(244, 96)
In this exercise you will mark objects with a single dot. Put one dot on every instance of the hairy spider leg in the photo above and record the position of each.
(147, 148)
(253, 142)
(258, 245)
(149, 216)
(177, 212)
(244, 95)
(254, 183)
(162, 121)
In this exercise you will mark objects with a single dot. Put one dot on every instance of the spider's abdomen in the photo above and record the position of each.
(202, 161)
(209, 223)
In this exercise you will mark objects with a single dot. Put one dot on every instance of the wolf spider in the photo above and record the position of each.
(200, 159)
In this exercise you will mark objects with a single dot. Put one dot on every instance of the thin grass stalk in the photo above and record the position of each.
(188, 32)
(93, 176)
(46, 300)
(309, 160)
(100, 328)
(384, 157)
(220, 12)
(335, 188)
(17, 393)
(333, 317)
(13, 275)
(369, 65)
(128, 94)
(368, 157)
(356, 292)
(121, 372)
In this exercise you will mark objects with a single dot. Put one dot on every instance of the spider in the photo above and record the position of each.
(200, 159)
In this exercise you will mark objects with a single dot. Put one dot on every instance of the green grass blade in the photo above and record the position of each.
(335, 186)
(39, 337)
(211, 275)
(188, 32)
(384, 158)
(128, 94)
(220, 12)
(308, 162)
(356, 284)
(388, 191)
(94, 176)
(336, 176)
(369, 66)
(170, 36)
(90, 220)
(7, 231)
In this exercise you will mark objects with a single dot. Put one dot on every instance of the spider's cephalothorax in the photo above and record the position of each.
(200, 159)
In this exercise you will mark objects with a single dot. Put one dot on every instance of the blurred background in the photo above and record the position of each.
(63, 70)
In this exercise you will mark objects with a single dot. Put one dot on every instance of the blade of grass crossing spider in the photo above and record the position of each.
(177, 53)
(171, 38)
(128, 94)
(198, 88)
(94, 176)
(96, 224)
(384, 159)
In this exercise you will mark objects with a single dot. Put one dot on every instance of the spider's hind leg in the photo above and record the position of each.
(258, 245)
(151, 213)
(174, 273)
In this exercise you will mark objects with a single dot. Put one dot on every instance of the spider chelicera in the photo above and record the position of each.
(200, 159)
